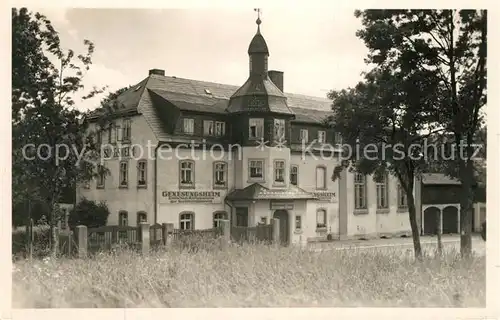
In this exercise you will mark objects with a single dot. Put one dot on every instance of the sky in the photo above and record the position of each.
(317, 49)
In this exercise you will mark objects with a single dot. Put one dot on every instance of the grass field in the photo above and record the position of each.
(251, 276)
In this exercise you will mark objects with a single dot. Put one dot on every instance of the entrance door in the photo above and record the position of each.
(242, 217)
(284, 226)
(450, 220)
(430, 220)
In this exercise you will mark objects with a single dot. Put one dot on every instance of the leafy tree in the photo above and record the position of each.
(449, 46)
(51, 147)
(380, 119)
(89, 213)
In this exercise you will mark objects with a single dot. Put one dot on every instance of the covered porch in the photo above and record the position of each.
(257, 204)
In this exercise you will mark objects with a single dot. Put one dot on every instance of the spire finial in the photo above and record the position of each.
(258, 10)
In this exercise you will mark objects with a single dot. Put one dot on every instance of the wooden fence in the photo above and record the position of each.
(144, 237)
(259, 233)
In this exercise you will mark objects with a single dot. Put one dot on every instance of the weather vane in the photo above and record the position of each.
(258, 10)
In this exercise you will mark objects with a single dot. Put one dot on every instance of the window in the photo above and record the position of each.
(118, 133)
(220, 128)
(382, 193)
(256, 169)
(101, 177)
(321, 136)
(279, 171)
(256, 128)
(304, 135)
(124, 174)
(263, 220)
(111, 136)
(321, 218)
(186, 221)
(187, 173)
(142, 173)
(338, 138)
(123, 218)
(250, 63)
(220, 174)
(208, 127)
(359, 191)
(320, 177)
(188, 126)
(402, 198)
(127, 130)
(294, 175)
(141, 217)
(218, 217)
(298, 223)
(279, 129)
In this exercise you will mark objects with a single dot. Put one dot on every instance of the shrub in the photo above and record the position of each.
(89, 213)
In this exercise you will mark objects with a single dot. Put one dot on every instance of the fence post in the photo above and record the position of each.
(81, 241)
(145, 240)
(167, 233)
(276, 230)
(226, 231)
(114, 236)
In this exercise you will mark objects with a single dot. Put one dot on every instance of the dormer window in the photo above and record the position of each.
(208, 127)
(321, 136)
(256, 128)
(188, 126)
(279, 129)
(220, 128)
(207, 91)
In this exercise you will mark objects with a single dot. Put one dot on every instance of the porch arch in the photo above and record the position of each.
(449, 224)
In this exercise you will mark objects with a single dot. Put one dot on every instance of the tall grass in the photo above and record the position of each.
(251, 276)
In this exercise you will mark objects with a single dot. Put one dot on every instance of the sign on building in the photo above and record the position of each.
(192, 196)
(326, 196)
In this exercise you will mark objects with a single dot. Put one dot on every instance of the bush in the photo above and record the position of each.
(89, 213)
(41, 242)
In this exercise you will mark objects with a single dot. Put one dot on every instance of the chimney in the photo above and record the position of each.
(159, 72)
(277, 78)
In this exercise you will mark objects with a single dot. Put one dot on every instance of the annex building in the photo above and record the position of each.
(192, 153)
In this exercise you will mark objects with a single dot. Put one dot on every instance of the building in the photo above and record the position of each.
(192, 153)
(439, 193)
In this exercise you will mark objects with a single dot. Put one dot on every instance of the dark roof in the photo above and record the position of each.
(203, 96)
(257, 191)
(438, 179)
(258, 44)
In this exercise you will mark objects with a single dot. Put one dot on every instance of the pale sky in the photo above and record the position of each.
(317, 49)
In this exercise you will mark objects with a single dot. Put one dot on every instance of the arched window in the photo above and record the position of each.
(186, 173)
(142, 173)
(382, 187)
(123, 218)
(218, 217)
(142, 217)
(186, 221)
(220, 174)
(321, 177)
(294, 174)
(321, 218)
(359, 191)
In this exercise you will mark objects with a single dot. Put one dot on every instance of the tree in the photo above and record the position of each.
(52, 149)
(380, 119)
(89, 213)
(450, 46)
